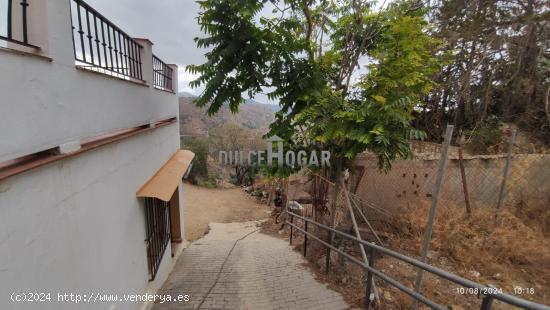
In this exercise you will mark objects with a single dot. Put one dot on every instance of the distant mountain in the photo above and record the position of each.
(187, 95)
(195, 122)
(252, 101)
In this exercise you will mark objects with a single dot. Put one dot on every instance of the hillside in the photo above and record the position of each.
(195, 122)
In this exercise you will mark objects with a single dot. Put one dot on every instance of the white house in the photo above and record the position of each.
(90, 166)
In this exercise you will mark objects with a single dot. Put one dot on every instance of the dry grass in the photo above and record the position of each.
(514, 252)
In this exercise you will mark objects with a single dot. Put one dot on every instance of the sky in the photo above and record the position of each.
(3, 16)
(170, 24)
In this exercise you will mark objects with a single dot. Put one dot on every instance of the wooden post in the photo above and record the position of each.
(333, 211)
(367, 222)
(368, 297)
(291, 228)
(305, 238)
(464, 184)
(358, 235)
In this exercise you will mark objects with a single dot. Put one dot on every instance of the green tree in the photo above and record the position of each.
(232, 137)
(199, 146)
(309, 55)
(499, 70)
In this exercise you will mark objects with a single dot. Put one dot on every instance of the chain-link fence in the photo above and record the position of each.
(477, 179)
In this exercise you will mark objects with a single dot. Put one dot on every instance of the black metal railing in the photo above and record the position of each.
(487, 293)
(101, 46)
(162, 75)
(157, 218)
(10, 36)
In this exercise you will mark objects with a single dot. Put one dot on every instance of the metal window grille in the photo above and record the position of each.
(101, 46)
(157, 218)
(9, 35)
(162, 75)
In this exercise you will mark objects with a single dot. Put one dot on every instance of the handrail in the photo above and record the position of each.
(490, 293)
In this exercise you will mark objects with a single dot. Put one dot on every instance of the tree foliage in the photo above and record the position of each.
(232, 137)
(347, 77)
(199, 146)
(500, 68)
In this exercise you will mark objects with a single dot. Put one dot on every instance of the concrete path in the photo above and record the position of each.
(236, 267)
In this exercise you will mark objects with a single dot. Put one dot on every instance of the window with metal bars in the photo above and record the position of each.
(162, 75)
(101, 46)
(157, 218)
(10, 30)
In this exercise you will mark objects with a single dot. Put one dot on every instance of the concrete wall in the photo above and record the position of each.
(47, 103)
(76, 226)
(411, 182)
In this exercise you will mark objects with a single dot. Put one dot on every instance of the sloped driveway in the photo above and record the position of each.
(236, 267)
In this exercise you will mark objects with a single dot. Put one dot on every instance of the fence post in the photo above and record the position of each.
(327, 258)
(487, 302)
(435, 200)
(506, 170)
(464, 183)
(291, 227)
(305, 239)
(368, 295)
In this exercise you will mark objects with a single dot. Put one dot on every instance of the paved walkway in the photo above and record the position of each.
(236, 267)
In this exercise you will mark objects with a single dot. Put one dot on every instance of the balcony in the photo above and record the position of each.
(101, 46)
(69, 74)
(15, 13)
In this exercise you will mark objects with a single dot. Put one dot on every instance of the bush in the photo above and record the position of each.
(208, 183)
(199, 146)
(486, 139)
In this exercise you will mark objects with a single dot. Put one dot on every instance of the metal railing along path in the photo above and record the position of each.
(487, 298)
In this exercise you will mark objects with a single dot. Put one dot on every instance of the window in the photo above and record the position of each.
(157, 217)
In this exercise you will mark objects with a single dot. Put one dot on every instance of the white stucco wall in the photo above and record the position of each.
(76, 226)
(44, 104)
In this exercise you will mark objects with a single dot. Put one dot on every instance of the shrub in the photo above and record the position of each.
(199, 146)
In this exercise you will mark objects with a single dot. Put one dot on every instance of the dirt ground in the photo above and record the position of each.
(221, 205)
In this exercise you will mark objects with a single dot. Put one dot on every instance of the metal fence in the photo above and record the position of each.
(15, 8)
(162, 75)
(398, 209)
(157, 217)
(101, 46)
(481, 181)
(487, 293)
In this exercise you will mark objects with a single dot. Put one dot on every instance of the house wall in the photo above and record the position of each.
(75, 225)
(36, 91)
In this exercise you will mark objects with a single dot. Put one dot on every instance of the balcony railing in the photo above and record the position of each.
(99, 45)
(162, 75)
(13, 28)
